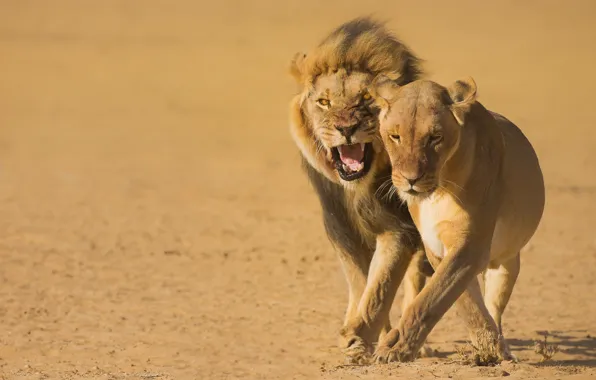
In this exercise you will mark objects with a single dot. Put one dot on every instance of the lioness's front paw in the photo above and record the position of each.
(398, 353)
(511, 360)
(490, 349)
(382, 354)
(506, 351)
(426, 352)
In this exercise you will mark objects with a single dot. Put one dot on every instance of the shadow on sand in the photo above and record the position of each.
(578, 343)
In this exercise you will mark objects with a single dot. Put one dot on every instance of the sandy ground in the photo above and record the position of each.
(155, 223)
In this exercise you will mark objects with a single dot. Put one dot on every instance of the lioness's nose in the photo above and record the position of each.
(413, 178)
(347, 131)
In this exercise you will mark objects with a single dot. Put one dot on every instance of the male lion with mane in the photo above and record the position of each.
(335, 124)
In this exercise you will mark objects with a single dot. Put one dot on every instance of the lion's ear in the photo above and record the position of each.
(383, 89)
(297, 67)
(462, 94)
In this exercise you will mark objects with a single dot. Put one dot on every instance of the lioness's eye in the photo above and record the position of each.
(323, 102)
(395, 138)
(366, 96)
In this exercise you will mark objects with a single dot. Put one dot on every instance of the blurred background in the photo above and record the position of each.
(154, 220)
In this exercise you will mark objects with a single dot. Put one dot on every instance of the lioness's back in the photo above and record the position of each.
(523, 190)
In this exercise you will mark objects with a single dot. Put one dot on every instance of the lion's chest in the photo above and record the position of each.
(372, 218)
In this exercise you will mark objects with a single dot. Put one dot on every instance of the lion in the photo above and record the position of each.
(334, 123)
(474, 187)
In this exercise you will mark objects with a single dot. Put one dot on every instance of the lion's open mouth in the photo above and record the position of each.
(352, 161)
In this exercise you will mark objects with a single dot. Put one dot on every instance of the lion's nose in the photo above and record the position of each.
(347, 131)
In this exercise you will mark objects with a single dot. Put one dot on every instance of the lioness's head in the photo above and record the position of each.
(421, 126)
(334, 118)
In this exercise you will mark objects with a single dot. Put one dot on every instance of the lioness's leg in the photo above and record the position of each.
(484, 334)
(498, 287)
(452, 277)
(387, 269)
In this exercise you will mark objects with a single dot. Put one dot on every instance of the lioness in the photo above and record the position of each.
(334, 122)
(475, 190)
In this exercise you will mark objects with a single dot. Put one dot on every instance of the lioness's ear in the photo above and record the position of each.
(297, 67)
(382, 89)
(463, 91)
(383, 86)
(462, 94)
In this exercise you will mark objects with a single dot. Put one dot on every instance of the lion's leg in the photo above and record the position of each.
(387, 269)
(413, 284)
(355, 270)
(499, 283)
(414, 279)
(451, 279)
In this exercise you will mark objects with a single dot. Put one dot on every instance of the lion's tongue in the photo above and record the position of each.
(351, 156)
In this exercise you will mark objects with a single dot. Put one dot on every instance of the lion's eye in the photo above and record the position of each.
(395, 138)
(435, 139)
(323, 102)
(366, 96)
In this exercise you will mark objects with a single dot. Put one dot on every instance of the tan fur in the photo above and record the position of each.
(339, 70)
(475, 190)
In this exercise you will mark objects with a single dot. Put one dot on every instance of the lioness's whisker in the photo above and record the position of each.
(452, 184)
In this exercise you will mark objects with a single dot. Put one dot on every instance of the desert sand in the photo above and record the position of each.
(154, 219)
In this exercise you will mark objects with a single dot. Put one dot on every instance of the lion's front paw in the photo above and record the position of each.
(398, 353)
(357, 352)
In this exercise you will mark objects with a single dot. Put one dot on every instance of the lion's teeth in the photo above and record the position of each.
(362, 146)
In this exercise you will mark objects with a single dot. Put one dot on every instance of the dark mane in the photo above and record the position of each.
(363, 44)
(379, 211)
